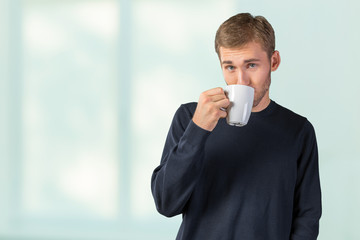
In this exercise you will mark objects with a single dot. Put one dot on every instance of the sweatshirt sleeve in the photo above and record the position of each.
(307, 198)
(174, 180)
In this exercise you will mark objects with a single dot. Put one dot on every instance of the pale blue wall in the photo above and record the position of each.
(88, 90)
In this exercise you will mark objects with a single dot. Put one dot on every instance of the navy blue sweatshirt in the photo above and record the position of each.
(257, 182)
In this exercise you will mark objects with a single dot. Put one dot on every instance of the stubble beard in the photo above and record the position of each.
(260, 95)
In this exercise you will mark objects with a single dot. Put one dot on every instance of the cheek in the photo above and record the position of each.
(229, 78)
(261, 79)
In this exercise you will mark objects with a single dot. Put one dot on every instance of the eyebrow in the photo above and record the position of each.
(245, 61)
(252, 60)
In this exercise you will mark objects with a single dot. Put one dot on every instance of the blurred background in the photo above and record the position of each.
(88, 89)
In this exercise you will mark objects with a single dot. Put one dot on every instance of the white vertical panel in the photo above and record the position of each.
(70, 165)
(4, 110)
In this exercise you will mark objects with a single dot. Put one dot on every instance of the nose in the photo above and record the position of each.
(243, 79)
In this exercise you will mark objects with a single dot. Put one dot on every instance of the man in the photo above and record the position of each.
(260, 181)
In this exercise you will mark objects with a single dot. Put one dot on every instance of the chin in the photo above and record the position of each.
(256, 102)
(260, 97)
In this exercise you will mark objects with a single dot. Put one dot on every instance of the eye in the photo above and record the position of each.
(252, 65)
(230, 68)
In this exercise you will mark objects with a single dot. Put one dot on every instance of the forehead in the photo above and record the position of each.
(250, 50)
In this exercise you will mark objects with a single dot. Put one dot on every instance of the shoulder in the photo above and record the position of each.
(184, 114)
(290, 117)
(189, 107)
(289, 114)
(186, 110)
(293, 120)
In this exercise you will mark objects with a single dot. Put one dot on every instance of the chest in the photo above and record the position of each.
(250, 155)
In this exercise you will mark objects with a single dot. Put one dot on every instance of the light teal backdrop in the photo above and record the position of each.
(89, 87)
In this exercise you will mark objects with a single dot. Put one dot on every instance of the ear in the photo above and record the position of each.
(275, 60)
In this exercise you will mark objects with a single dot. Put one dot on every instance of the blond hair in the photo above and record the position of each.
(243, 28)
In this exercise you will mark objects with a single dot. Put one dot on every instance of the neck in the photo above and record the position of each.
(265, 101)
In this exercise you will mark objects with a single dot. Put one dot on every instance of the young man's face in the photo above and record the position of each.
(250, 65)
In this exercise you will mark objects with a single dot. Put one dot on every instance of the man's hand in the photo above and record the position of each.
(208, 112)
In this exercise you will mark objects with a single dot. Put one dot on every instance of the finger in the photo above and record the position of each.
(218, 97)
(224, 103)
(223, 114)
(214, 91)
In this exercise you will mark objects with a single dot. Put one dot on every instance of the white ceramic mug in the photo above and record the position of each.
(241, 101)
